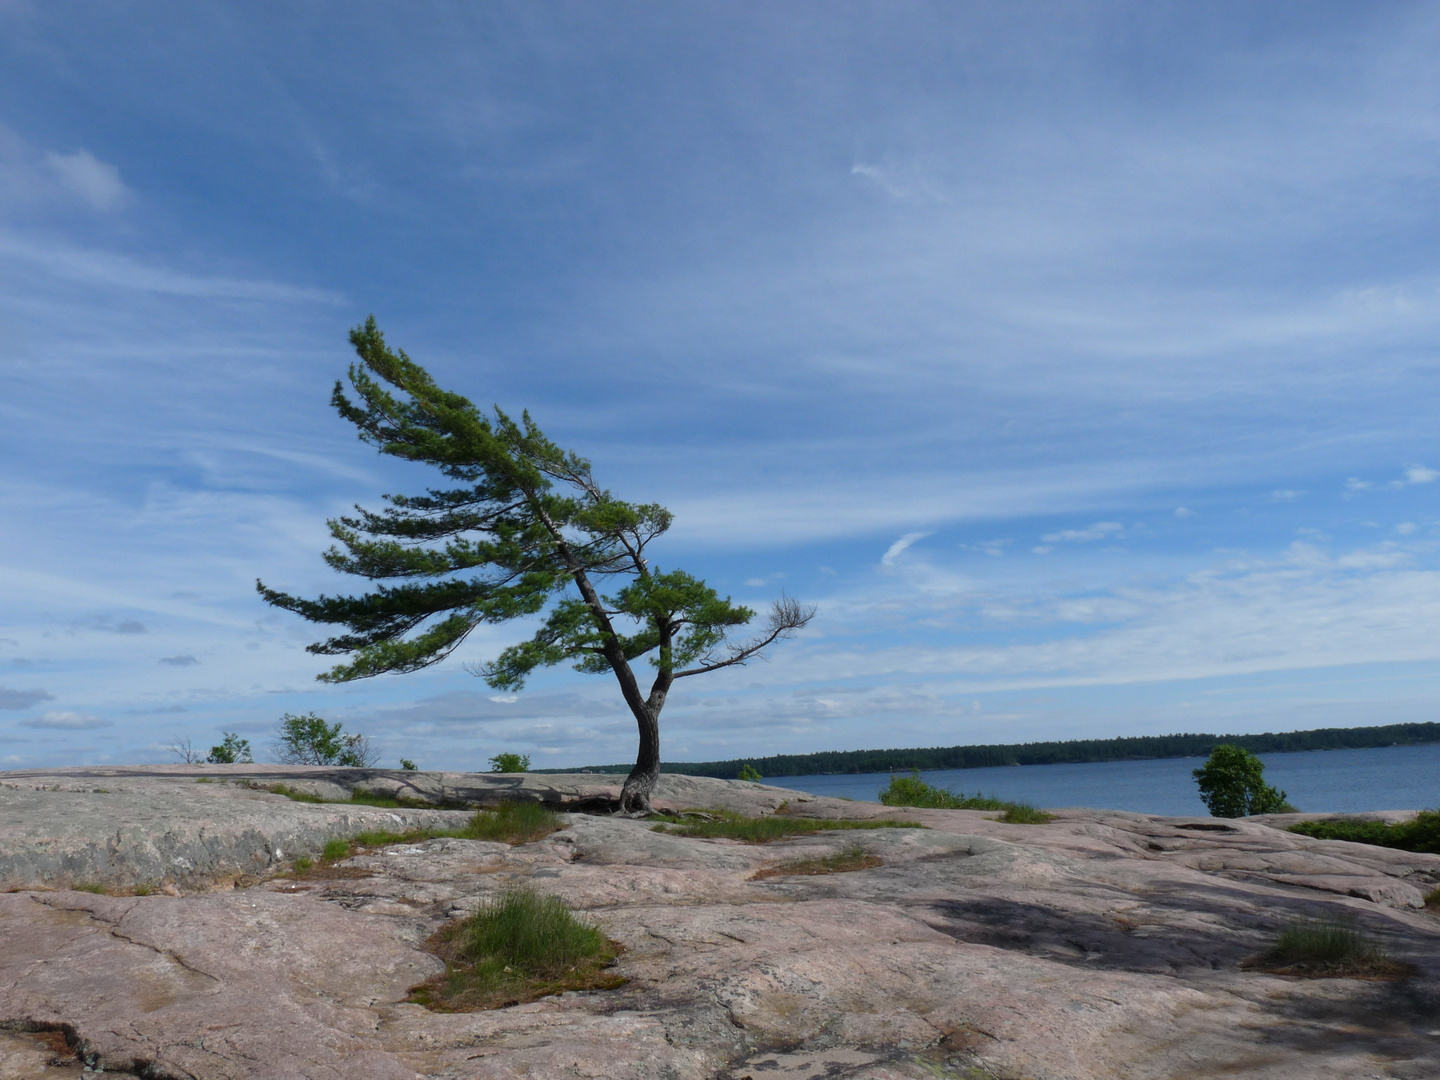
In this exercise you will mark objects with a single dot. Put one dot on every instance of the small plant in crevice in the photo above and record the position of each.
(1432, 899)
(89, 886)
(303, 864)
(841, 862)
(1320, 948)
(519, 947)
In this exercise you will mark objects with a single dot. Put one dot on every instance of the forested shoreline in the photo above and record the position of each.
(1133, 748)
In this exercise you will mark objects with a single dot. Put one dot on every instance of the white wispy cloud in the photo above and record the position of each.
(1101, 530)
(96, 182)
(899, 547)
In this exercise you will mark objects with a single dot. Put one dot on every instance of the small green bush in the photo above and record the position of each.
(519, 947)
(335, 849)
(504, 763)
(232, 750)
(513, 823)
(1419, 834)
(310, 740)
(1232, 785)
(1432, 899)
(303, 863)
(912, 791)
(408, 765)
(762, 830)
(748, 773)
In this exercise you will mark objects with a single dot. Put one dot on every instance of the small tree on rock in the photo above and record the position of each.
(232, 750)
(310, 740)
(526, 531)
(510, 763)
(1232, 784)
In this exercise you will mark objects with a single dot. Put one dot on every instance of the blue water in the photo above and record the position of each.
(1341, 781)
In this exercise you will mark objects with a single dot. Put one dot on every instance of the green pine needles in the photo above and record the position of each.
(522, 530)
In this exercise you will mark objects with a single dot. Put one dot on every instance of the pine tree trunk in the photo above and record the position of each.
(635, 795)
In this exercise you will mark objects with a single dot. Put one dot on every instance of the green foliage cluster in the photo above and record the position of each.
(310, 740)
(1137, 748)
(747, 772)
(519, 947)
(1421, 833)
(232, 750)
(1232, 785)
(762, 830)
(912, 791)
(509, 763)
(408, 765)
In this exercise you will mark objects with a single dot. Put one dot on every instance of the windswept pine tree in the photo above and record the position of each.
(525, 531)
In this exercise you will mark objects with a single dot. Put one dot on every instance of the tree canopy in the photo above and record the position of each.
(524, 530)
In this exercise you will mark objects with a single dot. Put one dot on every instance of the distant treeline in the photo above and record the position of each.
(1136, 748)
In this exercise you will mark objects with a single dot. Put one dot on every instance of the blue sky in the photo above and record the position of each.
(1078, 361)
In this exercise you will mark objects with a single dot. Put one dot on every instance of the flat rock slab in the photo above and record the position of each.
(1103, 945)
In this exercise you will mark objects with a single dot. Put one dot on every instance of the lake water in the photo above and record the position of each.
(1342, 781)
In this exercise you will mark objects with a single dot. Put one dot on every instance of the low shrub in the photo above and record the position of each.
(761, 830)
(1316, 948)
(303, 863)
(520, 947)
(1420, 834)
(144, 890)
(842, 862)
(912, 791)
(1432, 900)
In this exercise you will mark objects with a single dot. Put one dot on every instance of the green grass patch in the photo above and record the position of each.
(513, 823)
(508, 823)
(912, 791)
(1420, 834)
(303, 863)
(519, 947)
(1024, 814)
(297, 796)
(1319, 949)
(144, 890)
(89, 886)
(842, 862)
(762, 830)
(336, 849)
(1432, 900)
(204, 780)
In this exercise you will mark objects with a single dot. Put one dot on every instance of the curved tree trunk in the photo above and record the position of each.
(635, 795)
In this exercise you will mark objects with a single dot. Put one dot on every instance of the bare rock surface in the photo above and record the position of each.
(1103, 945)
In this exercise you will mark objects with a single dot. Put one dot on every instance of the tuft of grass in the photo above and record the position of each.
(303, 863)
(1024, 814)
(89, 886)
(204, 780)
(1432, 899)
(1320, 949)
(519, 947)
(1420, 834)
(842, 862)
(144, 890)
(336, 849)
(912, 791)
(762, 830)
(513, 823)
